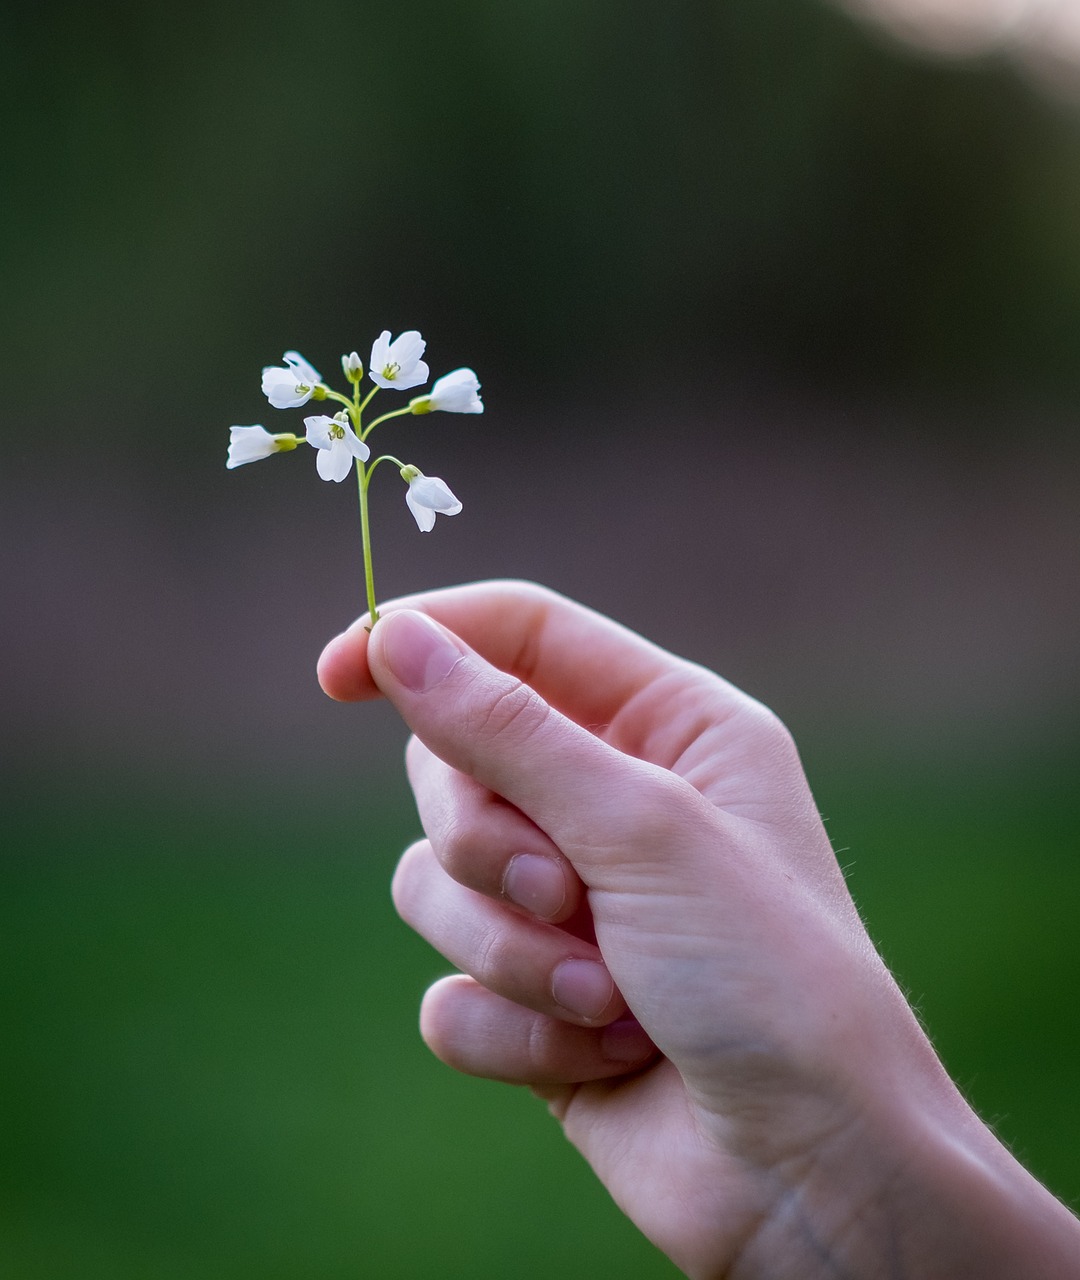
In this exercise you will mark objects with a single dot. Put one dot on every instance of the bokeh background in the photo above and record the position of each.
(778, 321)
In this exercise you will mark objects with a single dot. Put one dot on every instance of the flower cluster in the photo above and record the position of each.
(340, 441)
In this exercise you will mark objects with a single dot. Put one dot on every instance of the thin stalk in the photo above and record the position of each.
(395, 413)
(335, 395)
(363, 475)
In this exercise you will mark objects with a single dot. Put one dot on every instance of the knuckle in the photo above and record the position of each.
(661, 811)
(769, 732)
(538, 1044)
(514, 715)
(456, 848)
(416, 755)
(403, 886)
(437, 1021)
(543, 1049)
(646, 806)
(528, 592)
(490, 958)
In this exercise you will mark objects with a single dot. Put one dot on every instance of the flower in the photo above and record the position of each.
(426, 496)
(291, 386)
(337, 444)
(397, 364)
(352, 367)
(249, 444)
(454, 392)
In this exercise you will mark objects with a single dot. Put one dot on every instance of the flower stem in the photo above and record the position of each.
(396, 413)
(363, 475)
(384, 457)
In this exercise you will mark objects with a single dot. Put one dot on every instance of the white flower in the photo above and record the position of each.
(426, 496)
(249, 444)
(291, 386)
(352, 367)
(397, 364)
(337, 444)
(454, 392)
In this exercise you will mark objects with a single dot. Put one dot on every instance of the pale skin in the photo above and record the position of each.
(623, 858)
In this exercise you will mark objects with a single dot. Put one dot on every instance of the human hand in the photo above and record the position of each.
(624, 858)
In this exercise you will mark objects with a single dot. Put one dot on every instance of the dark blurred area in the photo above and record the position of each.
(577, 197)
(778, 325)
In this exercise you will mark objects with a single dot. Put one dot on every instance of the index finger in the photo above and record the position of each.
(579, 661)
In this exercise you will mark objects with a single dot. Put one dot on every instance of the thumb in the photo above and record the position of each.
(610, 813)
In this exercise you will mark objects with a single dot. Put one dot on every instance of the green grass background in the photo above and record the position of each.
(211, 1067)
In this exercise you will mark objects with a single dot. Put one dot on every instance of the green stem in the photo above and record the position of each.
(396, 413)
(385, 457)
(363, 476)
(335, 395)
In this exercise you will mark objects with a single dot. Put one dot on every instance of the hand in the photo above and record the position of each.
(625, 860)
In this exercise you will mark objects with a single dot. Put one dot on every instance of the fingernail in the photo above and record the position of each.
(536, 883)
(625, 1041)
(417, 650)
(582, 987)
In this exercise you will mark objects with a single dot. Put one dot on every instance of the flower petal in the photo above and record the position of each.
(318, 430)
(435, 493)
(304, 371)
(457, 393)
(334, 463)
(282, 388)
(380, 350)
(355, 445)
(427, 495)
(397, 364)
(416, 378)
(424, 516)
(407, 348)
(249, 444)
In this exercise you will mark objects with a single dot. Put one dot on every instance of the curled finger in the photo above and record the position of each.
(526, 961)
(483, 842)
(482, 1034)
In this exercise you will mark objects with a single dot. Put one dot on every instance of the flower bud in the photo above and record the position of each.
(352, 367)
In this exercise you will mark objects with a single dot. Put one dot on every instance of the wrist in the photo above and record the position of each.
(919, 1188)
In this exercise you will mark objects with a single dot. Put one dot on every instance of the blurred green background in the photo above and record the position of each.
(778, 324)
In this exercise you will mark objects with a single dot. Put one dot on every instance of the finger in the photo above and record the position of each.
(482, 1034)
(578, 660)
(602, 808)
(486, 844)
(533, 964)
(645, 701)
